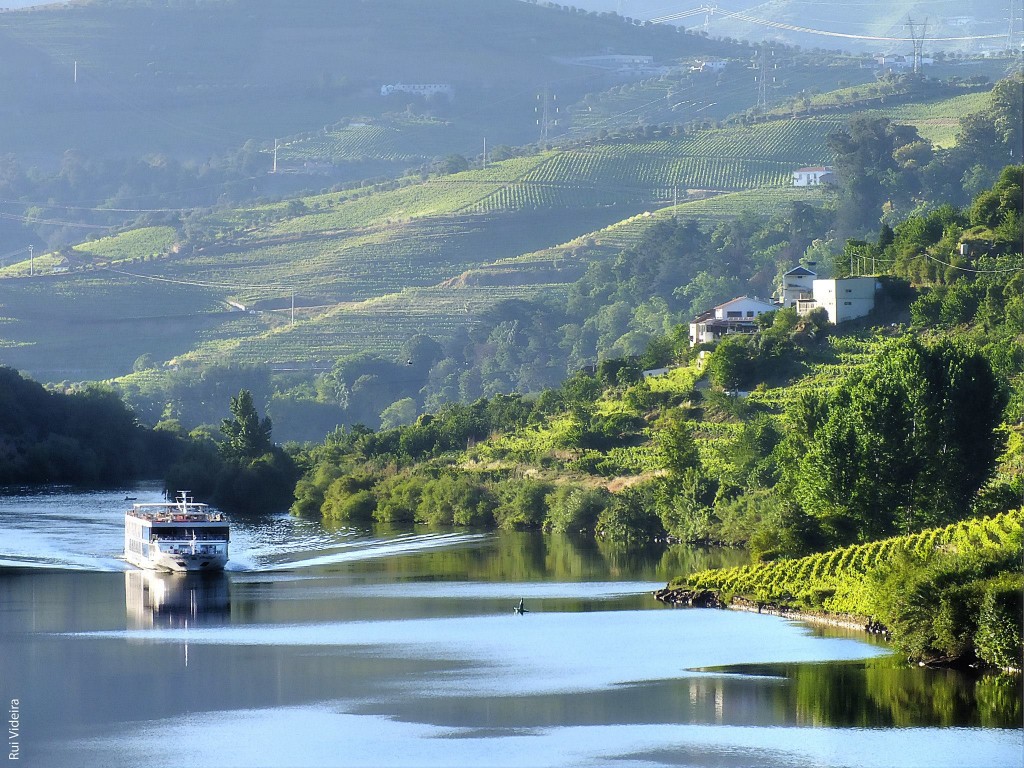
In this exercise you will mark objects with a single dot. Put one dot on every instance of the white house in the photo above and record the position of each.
(737, 315)
(797, 284)
(843, 299)
(713, 66)
(812, 176)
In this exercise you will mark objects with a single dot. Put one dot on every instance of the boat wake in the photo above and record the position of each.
(84, 531)
(323, 554)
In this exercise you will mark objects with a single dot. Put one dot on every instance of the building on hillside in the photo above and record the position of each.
(843, 298)
(797, 284)
(712, 66)
(419, 89)
(651, 373)
(813, 175)
(894, 61)
(737, 315)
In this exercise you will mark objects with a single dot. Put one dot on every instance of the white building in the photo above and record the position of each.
(812, 176)
(843, 299)
(797, 284)
(713, 66)
(737, 315)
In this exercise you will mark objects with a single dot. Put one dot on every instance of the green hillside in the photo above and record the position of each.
(445, 249)
(335, 249)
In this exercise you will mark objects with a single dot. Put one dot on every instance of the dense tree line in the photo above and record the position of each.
(90, 437)
(86, 436)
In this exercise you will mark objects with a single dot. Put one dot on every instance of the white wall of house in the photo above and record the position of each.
(812, 177)
(795, 284)
(743, 308)
(846, 298)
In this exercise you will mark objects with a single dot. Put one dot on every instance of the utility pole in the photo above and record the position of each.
(485, 151)
(918, 41)
(274, 169)
(762, 79)
(31, 261)
(293, 307)
(547, 113)
(1011, 33)
(76, 73)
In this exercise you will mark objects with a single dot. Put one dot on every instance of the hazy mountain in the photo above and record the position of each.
(978, 25)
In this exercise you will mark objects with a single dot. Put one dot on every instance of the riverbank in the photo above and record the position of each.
(679, 597)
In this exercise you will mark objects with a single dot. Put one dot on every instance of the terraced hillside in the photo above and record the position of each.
(351, 262)
(340, 254)
(387, 142)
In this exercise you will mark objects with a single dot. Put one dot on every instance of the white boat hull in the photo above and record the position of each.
(178, 563)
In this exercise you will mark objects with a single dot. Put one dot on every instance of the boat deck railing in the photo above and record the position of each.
(173, 513)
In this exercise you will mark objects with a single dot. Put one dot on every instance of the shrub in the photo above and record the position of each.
(998, 639)
(631, 516)
(572, 509)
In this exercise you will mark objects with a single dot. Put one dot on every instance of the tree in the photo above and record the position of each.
(730, 365)
(398, 414)
(676, 447)
(246, 436)
(904, 445)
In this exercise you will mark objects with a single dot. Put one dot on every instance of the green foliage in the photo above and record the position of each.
(84, 436)
(631, 516)
(896, 450)
(574, 509)
(522, 503)
(246, 436)
(245, 472)
(731, 366)
(939, 592)
(998, 638)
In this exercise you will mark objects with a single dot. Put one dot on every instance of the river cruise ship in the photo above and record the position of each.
(182, 535)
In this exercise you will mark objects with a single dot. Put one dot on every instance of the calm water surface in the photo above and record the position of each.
(399, 648)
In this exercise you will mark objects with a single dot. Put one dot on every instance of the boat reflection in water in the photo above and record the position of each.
(160, 599)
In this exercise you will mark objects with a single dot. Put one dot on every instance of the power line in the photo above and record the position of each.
(976, 271)
(57, 207)
(710, 10)
(54, 222)
(200, 283)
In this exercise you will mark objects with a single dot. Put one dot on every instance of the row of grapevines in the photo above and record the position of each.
(784, 579)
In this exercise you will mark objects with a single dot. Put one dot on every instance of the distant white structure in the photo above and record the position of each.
(797, 284)
(419, 89)
(843, 298)
(654, 372)
(737, 315)
(894, 61)
(813, 175)
(713, 66)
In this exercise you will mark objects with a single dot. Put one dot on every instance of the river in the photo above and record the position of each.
(400, 648)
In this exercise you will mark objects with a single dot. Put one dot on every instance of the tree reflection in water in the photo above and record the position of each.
(886, 692)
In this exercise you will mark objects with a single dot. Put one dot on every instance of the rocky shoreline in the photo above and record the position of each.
(679, 597)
